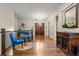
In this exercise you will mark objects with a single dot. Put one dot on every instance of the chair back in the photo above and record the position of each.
(12, 37)
(25, 32)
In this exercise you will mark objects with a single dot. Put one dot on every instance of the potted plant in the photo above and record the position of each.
(22, 24)
(65, 25)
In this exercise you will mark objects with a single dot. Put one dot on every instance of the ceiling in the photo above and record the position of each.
(30, 10)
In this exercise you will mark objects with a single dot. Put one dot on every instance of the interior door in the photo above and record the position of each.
(39, 28)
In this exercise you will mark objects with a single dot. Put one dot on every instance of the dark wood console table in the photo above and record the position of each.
(67, 42)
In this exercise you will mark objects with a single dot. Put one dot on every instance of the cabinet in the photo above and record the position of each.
(68, 42)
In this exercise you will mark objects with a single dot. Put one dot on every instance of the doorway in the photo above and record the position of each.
(39, 29)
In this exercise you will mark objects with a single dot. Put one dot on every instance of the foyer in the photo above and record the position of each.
(39, 29)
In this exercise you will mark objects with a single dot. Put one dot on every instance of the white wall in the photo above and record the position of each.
(52, 21)
(52, 27)
(30, 23)
(7, 21)
(16, 23)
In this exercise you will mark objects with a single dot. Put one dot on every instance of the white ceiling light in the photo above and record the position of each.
(39, 16)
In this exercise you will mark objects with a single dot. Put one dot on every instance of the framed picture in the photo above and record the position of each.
(71, 17)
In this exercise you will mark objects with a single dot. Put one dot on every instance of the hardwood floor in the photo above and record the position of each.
(43, 46)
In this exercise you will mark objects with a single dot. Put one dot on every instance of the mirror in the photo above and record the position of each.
(70, 17)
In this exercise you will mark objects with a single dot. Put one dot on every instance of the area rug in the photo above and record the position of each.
(20, 48)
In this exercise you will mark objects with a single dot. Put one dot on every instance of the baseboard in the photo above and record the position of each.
(53, 38)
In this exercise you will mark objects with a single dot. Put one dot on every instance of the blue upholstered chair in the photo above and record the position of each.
(27, 36)
(26, 32)
(15, 40)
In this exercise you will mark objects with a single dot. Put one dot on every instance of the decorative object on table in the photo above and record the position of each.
(22, 24)
(65, 25)
(70, 16)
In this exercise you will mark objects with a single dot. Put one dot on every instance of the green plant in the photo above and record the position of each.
(22, 24)
(65, 25)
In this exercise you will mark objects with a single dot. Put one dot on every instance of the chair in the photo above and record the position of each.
(27, 36)
(25, 32)
(15, 41)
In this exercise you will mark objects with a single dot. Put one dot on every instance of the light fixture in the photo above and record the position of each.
(39, 16)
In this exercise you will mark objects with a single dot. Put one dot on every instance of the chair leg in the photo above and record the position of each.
(13, 46)
(22, 45)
